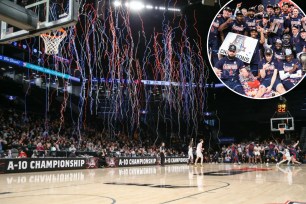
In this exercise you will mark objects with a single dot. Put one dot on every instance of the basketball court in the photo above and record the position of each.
(213, 183)
(179, 184)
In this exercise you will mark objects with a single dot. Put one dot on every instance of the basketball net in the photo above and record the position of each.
(52, 41)
(281, 131)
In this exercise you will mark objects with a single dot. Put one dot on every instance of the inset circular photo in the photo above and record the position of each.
(258, 50)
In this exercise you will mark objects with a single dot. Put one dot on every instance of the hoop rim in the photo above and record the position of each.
(281, 130)
(54, 36)
(52, 39)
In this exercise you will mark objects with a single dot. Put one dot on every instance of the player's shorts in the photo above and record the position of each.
(251, 154)
(267, 82)
(199, 154)
(257, 153)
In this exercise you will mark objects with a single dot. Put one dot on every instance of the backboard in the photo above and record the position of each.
(42, 15)
(286, 122)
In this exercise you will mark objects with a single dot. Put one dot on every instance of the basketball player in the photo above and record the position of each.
(228, 70)
(286, 157)
(268, 69)
(199, 152)
(290, 71)
(293, 154)
(190, 152)
(214, 40)
(271, 153)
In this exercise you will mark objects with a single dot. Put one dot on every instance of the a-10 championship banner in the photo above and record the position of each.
(245, 46)
(142, 161)
(46, 164)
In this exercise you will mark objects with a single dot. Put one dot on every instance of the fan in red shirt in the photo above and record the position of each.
(22, 154)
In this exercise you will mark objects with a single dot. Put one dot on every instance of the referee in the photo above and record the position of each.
(162, 154)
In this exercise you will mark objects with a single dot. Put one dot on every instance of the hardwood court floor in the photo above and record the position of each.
(177, 184)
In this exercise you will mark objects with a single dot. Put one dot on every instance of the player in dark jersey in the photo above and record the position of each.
(279, 21)
(234, 156)
(270, 10)
(257, 55)
(268, 68)
(265, 23)
(236, 26)
(290, 71)
(214, 35)
(285, 9)
(296, 18)
(250, 20)
(227, 69)
(297, 42)
(227, 14)
(271, 154)
(303, 41)
(260, 12)
(278, 50)
(293, 154)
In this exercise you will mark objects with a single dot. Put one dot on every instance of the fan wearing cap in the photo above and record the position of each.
(214, 39)
(257, 52)
(290, 71)
(303, 36)
(227, 69)
(265, 23)
(297, 41)
(279, 21)
(268, 69)
(270, 10)
(250, 20)
(285, 9)
(225, 17)
(236, 26)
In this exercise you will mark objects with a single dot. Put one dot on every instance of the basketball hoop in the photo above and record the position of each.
(281, 131)
(52, 41)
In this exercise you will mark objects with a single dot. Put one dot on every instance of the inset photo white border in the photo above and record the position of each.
(258, 51)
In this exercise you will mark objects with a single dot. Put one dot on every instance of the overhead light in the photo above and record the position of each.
(117, 3)
(174, 9)
(2, 68)
(149, 7)
(10, 67)
(135, 5)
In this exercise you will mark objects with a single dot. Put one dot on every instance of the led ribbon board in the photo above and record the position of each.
(38, 68)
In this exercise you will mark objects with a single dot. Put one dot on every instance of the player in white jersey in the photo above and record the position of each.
(190, 152)
(286, 157)
(199, 152)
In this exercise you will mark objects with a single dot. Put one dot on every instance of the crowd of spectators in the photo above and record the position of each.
(29, 135)
(252, 153)
(281, 33)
